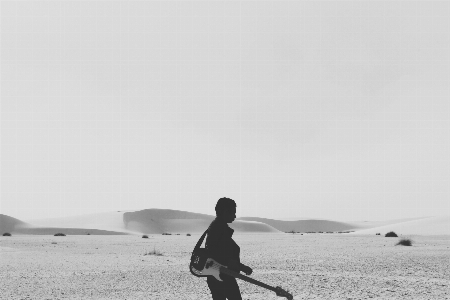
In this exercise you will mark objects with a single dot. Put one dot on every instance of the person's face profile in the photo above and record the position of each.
(229, 215)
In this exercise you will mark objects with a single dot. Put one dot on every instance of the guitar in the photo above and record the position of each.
(213, 268)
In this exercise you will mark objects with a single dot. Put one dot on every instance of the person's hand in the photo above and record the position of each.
(247, 270)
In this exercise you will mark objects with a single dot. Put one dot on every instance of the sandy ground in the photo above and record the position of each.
(313, 266)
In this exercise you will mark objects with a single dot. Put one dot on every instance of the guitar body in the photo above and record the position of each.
(203, 266)
(210, 268)
(198, 262)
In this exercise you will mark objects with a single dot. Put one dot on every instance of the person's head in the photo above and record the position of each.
(226, 209)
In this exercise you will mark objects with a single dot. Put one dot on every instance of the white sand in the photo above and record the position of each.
(311, 266)
(359, 265)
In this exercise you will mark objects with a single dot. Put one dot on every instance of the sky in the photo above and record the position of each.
(311, 109)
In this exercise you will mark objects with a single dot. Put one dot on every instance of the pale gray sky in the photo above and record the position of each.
(337, 110)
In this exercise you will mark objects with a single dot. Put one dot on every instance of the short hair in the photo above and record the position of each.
(223, 204)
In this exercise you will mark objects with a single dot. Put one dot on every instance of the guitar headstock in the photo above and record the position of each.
(282, 293)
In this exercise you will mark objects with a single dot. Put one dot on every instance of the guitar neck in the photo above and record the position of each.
(248, 279)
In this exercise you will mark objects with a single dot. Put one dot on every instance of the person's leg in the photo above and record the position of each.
(217, 288)
(232, 290)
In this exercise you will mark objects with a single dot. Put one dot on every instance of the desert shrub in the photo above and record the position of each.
(7, 234)
(329, 231)
(165, 233)
(154, 252)
(404, 242)
(391, 234)
(320, 231)
(377, 234)
(145, 236)
(59, 234)
(88, 233)
(188, 234)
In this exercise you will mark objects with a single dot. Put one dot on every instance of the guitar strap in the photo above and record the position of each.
(199, 256)
(200, 241)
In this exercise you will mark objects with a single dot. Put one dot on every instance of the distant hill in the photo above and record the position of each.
(156, 213)
(175, 221)
(157, 221)
(10, 224)
(16, 226)
(304, 225)
(107, 221)
(147, 221)
(68, 231)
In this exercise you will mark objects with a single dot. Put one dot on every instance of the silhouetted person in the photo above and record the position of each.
(222, 248)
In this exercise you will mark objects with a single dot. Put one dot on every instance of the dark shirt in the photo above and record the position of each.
(220, 244)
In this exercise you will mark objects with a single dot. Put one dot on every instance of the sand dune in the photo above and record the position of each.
(154, 226)
(252, 226)
(69, 231)
(70, 226)
(422, 226)
(157, 221)
(10, 224)
(109, 221)
(173, 221)
(305, 225)
(147, 221)
(157, 213)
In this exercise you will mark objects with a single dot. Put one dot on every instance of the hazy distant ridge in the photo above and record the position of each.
(304, 225)
(13, 225)
(157, 221)
(176, 221)
(10, 224)
(156, 213)
(69, 231)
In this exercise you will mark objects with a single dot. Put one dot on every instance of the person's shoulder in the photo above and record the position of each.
(216, 226)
